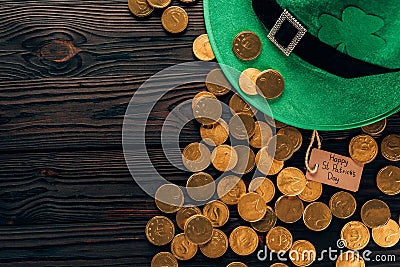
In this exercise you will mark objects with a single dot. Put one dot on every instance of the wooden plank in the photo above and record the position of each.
(40, 39)
(96, 186)
(68, 187)
(75, 113)
(70, 114)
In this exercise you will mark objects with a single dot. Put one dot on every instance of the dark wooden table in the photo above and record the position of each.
(67, 72)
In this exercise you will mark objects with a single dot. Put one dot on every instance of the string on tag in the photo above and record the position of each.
(314, 136)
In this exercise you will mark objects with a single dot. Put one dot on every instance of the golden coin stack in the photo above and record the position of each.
(174, 19)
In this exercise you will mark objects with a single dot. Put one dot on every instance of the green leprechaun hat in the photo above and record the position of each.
(340, 59)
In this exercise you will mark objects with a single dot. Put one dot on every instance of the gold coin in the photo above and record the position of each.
(174, 19)
(291, 181)
(217, 246)
(242, 126)
(169, 198)
(267, 222)
(317, 216)
(363, 148)
(264, 187)
(312, 192)
(159, 3)
(196, 157)
(388, 235)
(278, 264)
(343, 205)
(274, 123)
(243, 240)
(388, 180)
(350, 259)
(140, 8)
(187, 1)
(198, 229)
(224, 158)
(375, 128)
(236, 264)
(238, 105)
(302, 253)
(279, 239)
(247, 81)
(262, 135)
(252, 207)
(294, 135)
(355, 235)
(230, 189)
(217, 212)
(289, 209)
(246, 45)
(202, 48)
(216, 134)
(202, 94)
(270, 84)
(200, 186)
(264, 161)
(276, 167)
(164, 259)
(182, 248)
(246, 160)
(375, 213)
(281, 147)
(217, 83)
(390, 147)
(184, 214)
(206, 110)
(160, 230)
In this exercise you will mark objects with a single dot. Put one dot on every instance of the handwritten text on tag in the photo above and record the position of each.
(335, 170)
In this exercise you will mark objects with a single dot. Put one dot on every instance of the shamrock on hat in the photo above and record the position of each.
(354, 34)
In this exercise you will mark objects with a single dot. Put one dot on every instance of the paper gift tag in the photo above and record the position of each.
(335, 170)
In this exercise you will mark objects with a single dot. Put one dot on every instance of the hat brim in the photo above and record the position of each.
(312, 99)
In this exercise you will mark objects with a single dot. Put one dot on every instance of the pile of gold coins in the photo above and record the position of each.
(174, 19)
(266, 152)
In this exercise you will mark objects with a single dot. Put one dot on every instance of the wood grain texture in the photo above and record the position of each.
(110, 40)
(66, 206)
(73, 187)
(76, 113)
(67, 73)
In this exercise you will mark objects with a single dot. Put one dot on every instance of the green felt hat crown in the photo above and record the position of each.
(343, 70)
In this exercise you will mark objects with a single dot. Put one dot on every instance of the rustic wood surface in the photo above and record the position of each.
(68, 70)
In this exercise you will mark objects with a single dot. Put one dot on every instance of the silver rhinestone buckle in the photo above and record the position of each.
(300, 32)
